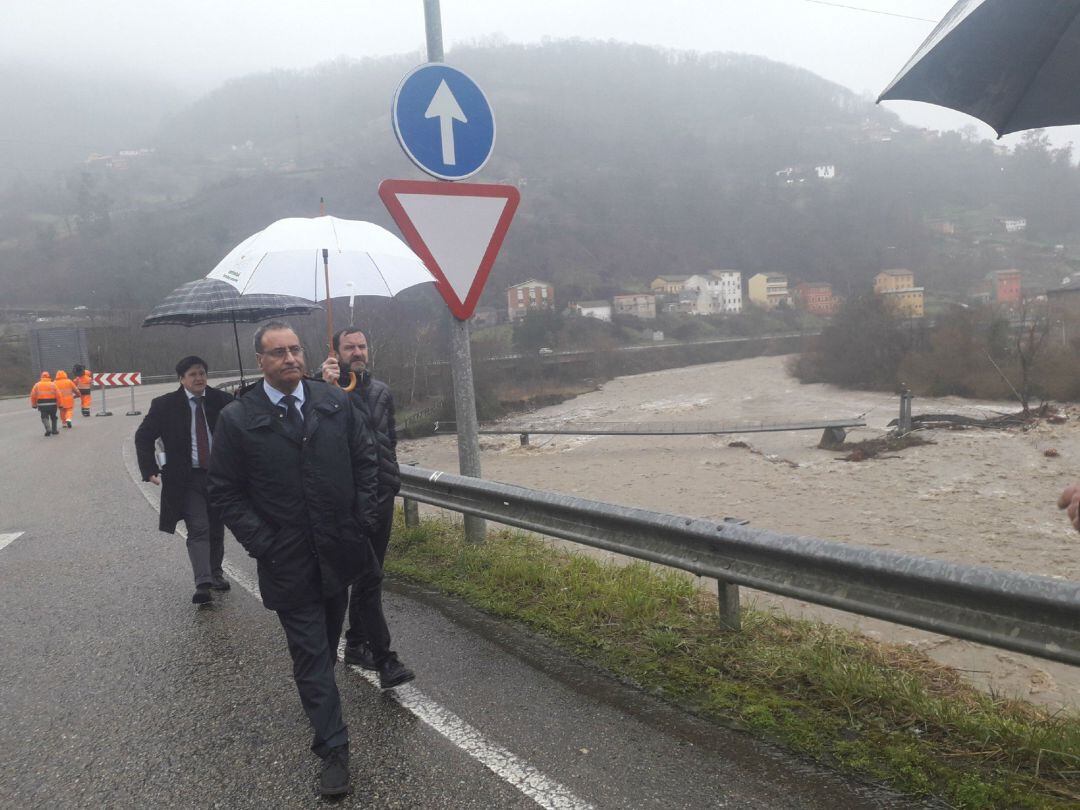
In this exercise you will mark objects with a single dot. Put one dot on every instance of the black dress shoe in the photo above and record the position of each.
(202, 595)
(360, 655)
(220, 584)
(393, 673)
(334, 779)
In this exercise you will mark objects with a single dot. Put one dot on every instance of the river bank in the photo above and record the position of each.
(975, 496)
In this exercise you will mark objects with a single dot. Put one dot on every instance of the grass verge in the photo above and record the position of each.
(876, 711)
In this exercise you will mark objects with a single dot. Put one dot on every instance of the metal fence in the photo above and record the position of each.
(1019, 612)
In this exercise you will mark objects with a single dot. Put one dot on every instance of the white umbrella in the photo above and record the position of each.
(295, 256)
(286, 258)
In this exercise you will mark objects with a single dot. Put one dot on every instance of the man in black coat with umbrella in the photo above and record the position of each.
(294, 475)
(184, 420)
(373, 397)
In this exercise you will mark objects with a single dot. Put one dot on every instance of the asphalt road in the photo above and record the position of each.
(116, 691)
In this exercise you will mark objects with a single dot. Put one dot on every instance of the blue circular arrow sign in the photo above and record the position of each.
(443, 121)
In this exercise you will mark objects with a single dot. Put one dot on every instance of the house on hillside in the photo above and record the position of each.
(528, 296)
(1006, 286)
(768, 290)
(1063, 302)
(712, 293)
(668, 285)
(601, 310)
(640, 305)
(817, 298)
(898, 289)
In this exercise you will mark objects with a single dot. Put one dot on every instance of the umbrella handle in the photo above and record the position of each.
(330, 316)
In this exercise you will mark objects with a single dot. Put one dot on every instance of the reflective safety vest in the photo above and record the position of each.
(65, 390)
(84, 381)
(44, 391)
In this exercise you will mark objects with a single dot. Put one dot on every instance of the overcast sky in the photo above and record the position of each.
(199, 43)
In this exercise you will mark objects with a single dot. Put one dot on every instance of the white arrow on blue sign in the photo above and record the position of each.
(443, 121)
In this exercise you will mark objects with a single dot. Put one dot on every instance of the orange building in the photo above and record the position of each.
(1006, 285)
(816, 298)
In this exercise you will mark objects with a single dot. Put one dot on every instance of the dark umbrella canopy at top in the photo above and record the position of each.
(1014, 64)
(207, 300)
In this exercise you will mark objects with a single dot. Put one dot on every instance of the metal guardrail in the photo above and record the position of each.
(1020, 612)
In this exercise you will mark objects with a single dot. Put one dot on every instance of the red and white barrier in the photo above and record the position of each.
(117, 379)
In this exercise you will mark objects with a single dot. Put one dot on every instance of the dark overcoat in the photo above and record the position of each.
(302, 506)
(169, 419)
(375, 399)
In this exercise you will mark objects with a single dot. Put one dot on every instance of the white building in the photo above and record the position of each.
(601, 310)
(717, 291)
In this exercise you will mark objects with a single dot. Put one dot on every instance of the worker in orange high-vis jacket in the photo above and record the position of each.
(65, 397)
(84, 380)
(43, 397)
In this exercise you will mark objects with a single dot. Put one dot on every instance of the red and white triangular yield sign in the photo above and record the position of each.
(456, 229)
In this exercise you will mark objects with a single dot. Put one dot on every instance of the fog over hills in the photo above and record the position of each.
(632, 162)
(54, 118)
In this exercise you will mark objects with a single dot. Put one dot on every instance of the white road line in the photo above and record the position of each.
(503, 763)
(523, 776)
(7, 539)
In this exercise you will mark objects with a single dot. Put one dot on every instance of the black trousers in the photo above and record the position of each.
(48, 417)
(313, 632)
(367, 624)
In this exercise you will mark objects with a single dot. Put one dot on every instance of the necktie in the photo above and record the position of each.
(293, 420)
(202, 436)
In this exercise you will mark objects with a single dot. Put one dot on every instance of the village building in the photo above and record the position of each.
(768, 290)
(1063, 303)
(712, 293)
(898, 289)
(640, 305)
(528, 296)
(817, 298)
(601, 310)
(668, 285)
(1006, 286)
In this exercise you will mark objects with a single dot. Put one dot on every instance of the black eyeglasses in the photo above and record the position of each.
(279, 353)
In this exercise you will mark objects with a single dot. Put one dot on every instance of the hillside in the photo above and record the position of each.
(631, 162)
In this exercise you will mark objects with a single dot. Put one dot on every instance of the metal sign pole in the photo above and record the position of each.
(468, 439)
(103, 411)
(133, 412)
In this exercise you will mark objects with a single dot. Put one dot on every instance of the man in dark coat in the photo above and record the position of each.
(184, 421)
(373, 397)
(294, 475)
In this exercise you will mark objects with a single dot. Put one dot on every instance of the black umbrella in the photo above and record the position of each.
(207, 300)
(1014, 64)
